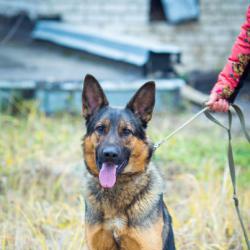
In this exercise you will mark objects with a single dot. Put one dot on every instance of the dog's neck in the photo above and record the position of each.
(124, 196)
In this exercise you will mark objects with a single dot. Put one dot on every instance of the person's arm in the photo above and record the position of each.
(223, 91)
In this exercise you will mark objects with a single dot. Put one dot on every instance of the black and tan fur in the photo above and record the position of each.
(131, 215)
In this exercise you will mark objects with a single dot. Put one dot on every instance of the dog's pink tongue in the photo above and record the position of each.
(107, 175)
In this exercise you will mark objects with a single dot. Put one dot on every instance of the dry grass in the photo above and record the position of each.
(41, 206)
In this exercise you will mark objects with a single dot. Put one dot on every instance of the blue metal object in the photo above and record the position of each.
(143, 53)
(66, 96)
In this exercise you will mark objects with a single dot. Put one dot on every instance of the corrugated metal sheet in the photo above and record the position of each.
(113, 46)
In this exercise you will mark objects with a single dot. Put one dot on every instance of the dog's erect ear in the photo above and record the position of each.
(142, 103)
(93, 97)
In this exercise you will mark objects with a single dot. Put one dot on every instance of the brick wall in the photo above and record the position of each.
(115, 14)
(205, 43)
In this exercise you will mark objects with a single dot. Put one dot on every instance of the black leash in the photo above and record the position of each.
(231, 159)
(229, 151)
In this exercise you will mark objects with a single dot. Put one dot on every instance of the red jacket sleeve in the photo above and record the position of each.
(230, 76)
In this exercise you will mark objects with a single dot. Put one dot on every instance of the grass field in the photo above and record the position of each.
(41, 206)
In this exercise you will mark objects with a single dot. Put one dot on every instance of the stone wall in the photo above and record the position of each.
(205, 43)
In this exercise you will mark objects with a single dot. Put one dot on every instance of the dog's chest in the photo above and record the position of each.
(116, 225)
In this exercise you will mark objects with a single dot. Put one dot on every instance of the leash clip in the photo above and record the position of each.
(156, 145)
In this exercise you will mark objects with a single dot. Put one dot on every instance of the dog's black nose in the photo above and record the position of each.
(110, 153)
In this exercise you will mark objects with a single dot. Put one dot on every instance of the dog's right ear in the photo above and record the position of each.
(93, 97)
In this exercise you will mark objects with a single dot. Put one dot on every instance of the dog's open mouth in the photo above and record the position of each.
(108, 173)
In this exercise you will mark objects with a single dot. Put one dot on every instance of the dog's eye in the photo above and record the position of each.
(100, 129)
(126, 132)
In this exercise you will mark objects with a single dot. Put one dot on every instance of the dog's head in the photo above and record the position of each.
(115, 143)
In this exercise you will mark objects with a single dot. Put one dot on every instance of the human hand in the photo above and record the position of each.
(217, 104)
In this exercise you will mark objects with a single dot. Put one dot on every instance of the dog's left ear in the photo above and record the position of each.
(142, 103)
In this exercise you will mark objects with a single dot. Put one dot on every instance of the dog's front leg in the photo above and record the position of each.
(98, 238)
(143, 238)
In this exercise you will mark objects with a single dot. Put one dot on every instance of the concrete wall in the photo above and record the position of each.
(205, 43)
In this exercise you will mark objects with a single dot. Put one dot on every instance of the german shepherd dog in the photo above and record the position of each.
(124, 207)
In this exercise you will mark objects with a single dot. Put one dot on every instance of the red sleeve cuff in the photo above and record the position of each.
(223, 90)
